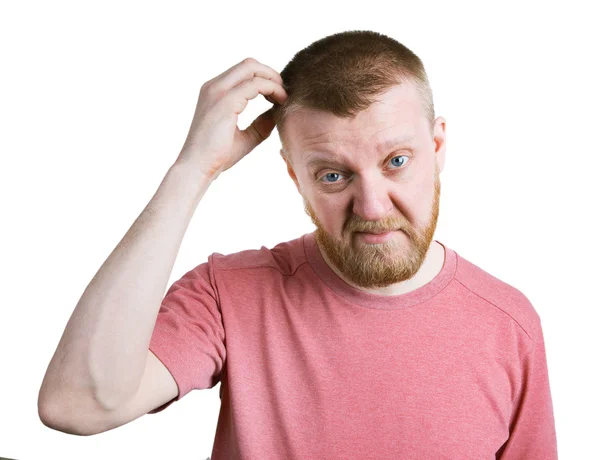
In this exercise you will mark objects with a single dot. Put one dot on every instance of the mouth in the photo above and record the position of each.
(370, 237)
(378, 232)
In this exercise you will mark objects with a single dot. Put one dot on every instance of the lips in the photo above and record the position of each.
(377, 233)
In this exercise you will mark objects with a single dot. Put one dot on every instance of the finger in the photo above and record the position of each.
(249, 89)
(258, 130)
(280, 101)
(244, 70)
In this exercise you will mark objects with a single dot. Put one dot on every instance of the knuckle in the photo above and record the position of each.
(206, 86)
(213, 90)
(251, 83)
(249, 60)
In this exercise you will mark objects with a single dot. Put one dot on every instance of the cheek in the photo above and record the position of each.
(425, 191)
(423, 181)
(414, 199)
(424, 199)
(329, 211)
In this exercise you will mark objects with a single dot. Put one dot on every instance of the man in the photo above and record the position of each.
(363, 339)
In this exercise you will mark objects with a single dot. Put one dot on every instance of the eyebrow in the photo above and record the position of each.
(335, 159)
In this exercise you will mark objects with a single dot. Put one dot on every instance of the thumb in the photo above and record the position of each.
(259, 129)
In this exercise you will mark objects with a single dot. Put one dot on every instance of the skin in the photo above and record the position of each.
(375, 189)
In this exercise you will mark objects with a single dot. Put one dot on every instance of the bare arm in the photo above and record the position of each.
(101, 356)
(102, 373)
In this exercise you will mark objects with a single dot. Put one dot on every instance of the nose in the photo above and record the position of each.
(372, 198)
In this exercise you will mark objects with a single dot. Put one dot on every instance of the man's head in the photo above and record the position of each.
(363, 99)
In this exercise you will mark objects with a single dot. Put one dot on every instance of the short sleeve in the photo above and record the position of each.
(532, 429)
(189, 337)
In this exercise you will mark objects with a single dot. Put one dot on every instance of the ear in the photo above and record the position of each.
(290, 170)
(439, 138)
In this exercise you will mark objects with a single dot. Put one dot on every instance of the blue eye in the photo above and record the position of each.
(329, 175)
(338, 174)
(399, 156)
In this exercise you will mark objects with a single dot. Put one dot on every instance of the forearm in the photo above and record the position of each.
(102, 353)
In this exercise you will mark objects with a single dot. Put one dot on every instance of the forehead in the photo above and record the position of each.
(396, 113)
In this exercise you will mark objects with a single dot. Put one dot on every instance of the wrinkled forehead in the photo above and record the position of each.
(397, 111)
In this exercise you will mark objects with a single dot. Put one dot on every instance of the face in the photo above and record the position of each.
(374, 173)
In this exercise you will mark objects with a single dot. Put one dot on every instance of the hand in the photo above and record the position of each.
(214, 142)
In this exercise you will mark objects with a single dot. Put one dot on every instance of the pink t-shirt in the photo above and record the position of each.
(312, 368)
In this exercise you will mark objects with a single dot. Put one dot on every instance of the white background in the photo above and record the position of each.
(95, 103)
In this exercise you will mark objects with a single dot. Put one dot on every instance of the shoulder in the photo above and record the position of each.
(498, 294)
(285, 257)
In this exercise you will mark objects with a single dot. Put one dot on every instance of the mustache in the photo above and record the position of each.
(375, 229)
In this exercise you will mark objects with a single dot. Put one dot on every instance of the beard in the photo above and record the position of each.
(378, 265)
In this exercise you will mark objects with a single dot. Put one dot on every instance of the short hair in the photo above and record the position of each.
(343, 73)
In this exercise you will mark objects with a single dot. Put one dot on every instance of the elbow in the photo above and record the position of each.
(55, 415)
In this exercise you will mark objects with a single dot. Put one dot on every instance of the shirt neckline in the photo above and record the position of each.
(369, 300)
